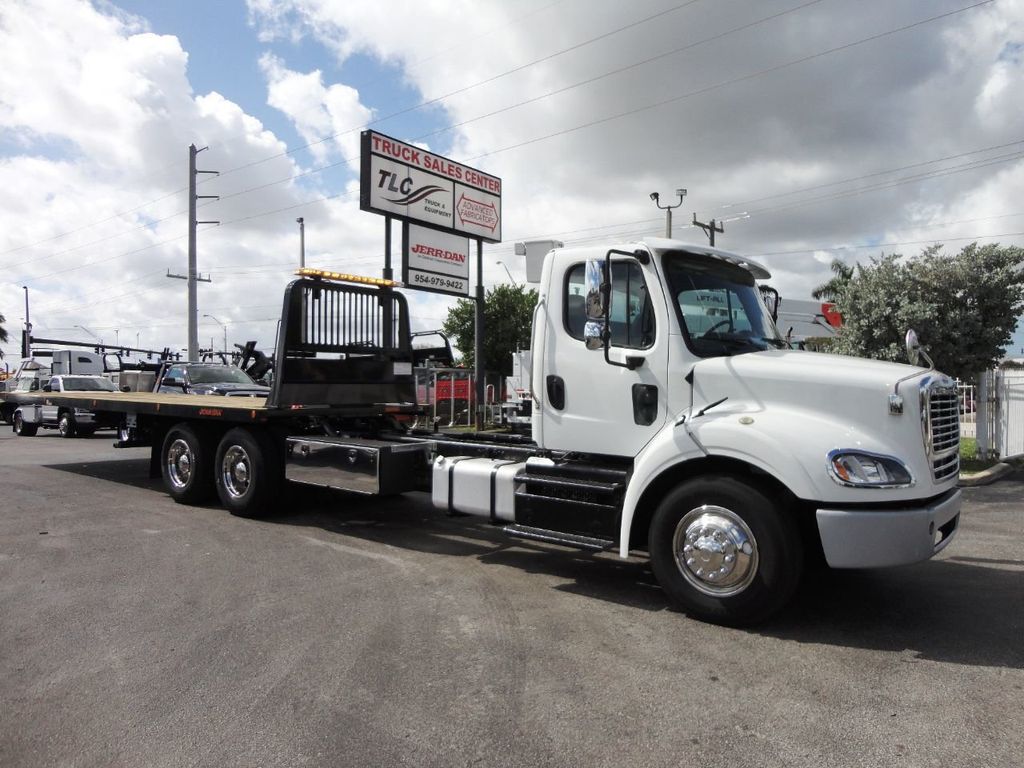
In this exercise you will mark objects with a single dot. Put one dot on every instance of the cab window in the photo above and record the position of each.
(630, 313)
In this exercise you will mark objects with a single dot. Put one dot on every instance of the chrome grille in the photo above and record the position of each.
(942, 428)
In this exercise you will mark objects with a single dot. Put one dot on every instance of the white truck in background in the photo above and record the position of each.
(668, 419)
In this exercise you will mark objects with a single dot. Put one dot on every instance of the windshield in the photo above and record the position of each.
(218, 374)
(86, 384)
(719, 306)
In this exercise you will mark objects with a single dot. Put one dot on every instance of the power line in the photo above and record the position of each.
(690, 94)
(732, 81)
(464, 89)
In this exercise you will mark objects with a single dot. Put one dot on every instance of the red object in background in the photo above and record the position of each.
(444, 389)
(832, 317)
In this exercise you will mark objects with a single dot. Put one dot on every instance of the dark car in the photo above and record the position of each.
(210, 379)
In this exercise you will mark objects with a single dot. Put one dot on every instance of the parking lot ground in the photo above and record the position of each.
(364, 632)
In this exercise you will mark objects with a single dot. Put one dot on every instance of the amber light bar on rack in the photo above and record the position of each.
(326, 274)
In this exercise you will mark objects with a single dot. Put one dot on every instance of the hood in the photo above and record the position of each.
(851, 392)
(804, 404)
(229, 389)
(813, 379)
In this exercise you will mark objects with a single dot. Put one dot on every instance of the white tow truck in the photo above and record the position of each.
(668, 418)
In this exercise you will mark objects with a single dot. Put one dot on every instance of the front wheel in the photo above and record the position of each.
(724, 552)
(249, 473)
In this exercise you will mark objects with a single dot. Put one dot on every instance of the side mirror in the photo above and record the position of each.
(47, 388)
(595, 304)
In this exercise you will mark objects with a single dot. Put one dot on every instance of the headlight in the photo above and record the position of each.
(860, 469)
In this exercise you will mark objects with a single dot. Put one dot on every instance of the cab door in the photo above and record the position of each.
(591, 405)
(49, 412)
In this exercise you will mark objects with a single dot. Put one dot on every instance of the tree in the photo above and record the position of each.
(964, 307)
(830, 290)
(3, 331)
(508, 312)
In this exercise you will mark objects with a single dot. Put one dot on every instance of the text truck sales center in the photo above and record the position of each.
(441, 202)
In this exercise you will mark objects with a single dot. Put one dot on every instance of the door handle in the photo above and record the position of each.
(556, 392)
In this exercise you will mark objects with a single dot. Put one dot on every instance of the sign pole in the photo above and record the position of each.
(387, 248)
(478, 346)
(386, 310)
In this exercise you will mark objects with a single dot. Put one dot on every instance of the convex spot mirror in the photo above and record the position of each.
(915, 351)
(913, 347)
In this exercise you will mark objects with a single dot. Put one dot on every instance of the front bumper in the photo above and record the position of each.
(879, 538)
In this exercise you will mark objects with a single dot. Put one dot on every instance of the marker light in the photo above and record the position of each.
(325, 274)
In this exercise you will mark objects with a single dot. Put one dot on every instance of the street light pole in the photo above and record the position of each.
(99, 339)
(302, 242)
(668, 209)
(511, 279)
(26, 349)
(222, 325)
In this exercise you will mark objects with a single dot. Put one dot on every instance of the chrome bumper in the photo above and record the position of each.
(878, 538)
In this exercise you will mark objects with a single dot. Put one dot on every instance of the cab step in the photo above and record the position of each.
(558, 537)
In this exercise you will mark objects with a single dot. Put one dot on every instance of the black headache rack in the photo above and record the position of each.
(343, 349)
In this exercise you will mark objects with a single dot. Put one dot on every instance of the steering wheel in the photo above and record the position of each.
(716, 326)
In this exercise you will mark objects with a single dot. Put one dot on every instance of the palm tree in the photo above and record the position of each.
(3, 331)
(830, 290)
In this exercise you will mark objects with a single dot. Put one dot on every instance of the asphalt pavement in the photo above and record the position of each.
(365, 632)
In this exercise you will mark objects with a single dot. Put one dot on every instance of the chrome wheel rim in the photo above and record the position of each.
(715, 551)
(235, 471)
(180, 460)
(18, 422)
(64, 426)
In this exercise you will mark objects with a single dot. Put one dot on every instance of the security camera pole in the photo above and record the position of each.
(668, 209)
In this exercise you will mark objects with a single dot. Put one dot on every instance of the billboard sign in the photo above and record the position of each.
(410, 183)
(435, 261)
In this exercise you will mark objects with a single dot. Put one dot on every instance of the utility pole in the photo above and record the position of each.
(668, 209)
(302, 242)
(193, 275)
(710, 228)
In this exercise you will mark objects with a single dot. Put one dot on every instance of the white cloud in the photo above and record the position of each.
(317, 110)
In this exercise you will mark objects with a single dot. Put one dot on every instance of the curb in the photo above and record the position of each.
(986, 476)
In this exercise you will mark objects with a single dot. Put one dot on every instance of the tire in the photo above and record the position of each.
(724, 552)
(66, 425)
(186, 466)
(249, 472)
(21, 429)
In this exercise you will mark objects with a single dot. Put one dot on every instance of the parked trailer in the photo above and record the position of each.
(668, 419)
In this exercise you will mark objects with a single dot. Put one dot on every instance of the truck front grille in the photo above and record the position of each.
(942, 427)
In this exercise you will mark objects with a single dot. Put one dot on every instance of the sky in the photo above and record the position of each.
(812, 130)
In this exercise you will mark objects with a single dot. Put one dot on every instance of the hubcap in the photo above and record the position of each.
(715, 551)
(179, 463)
(235, 471)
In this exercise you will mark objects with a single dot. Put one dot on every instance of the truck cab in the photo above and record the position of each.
(660, 357)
